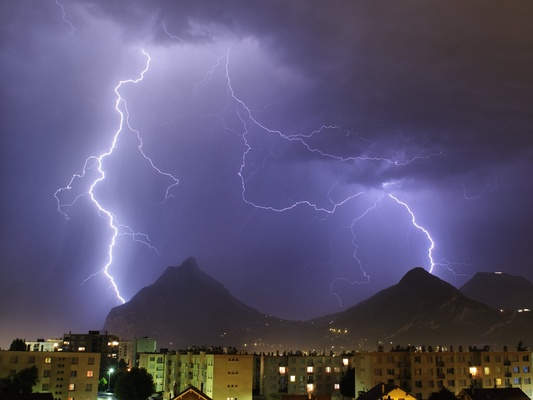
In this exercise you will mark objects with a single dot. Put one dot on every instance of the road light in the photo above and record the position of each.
(111, 370)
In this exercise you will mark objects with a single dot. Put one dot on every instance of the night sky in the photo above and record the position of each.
(280, 143)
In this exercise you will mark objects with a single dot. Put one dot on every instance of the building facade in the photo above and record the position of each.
(67, 376)
(424, 372)
(302, 374)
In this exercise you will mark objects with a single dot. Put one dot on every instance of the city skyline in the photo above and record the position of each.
(299, 147)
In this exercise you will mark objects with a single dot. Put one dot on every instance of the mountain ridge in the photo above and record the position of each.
(186, 307)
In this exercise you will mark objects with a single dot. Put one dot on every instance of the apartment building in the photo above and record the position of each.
(94, 342)
(163, 368)
(67, 376)
(424, 372)
(217, 373)
(220, 374)
(301, 373)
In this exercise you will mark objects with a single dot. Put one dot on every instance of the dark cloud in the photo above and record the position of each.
(288, 124)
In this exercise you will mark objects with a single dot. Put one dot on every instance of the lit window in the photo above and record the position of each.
(310, 369)
(81, 348)
(71, 386)
(345, 362)
(310, 387)
(282, 370)
(486, 370)
(337, 386)
(293, 378)
(48, 360)
(328, 370)
(90, 374)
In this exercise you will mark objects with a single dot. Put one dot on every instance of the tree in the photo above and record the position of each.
(22, 382)
(347, 383)
(18, 345)
(137, 384)
(443, 394)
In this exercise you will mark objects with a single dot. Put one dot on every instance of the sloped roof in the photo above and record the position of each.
(513, 393)
(191, 393)
(382, 390)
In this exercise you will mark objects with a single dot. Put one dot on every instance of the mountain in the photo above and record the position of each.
(186, 307)
(420, 309)
(500, 291)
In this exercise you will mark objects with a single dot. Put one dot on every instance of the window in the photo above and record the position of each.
(81, 348)
(71, 386)
(516, 381)
(328, 370)
(418, 384)
(337, 386)
(14, 359)
(88, 387)
(390, 371)
(89, 374)
(417, 359)
(74, 360)
(46, 373)
(310, 369)
(486, 370)
(90, 361)
(525, 358)
(451, 383)
(450, 371)
(345, 362)
(292, 378)
(526, 369)
(418, 371)
(282, 370)
(516, 368)
(527, 381)
(498, 381)
(73, 374)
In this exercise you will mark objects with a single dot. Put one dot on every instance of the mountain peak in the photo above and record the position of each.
(414, 276)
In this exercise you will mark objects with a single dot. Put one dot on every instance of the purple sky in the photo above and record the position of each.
(291, 126)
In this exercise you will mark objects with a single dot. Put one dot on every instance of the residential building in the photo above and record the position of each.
(424, 372)
(66, 376)
(311, 374)
(94, 342)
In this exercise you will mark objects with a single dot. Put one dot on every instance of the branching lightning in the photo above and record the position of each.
(245, 172)
(117, 229)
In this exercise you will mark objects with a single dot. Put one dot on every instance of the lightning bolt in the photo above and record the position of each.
(64, 17)
(117, 229)
(421, 228)
(247, 121)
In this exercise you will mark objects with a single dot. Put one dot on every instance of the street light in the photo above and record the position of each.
(111, 370)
